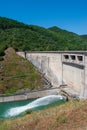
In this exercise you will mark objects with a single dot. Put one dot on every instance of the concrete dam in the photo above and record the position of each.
(62, 68)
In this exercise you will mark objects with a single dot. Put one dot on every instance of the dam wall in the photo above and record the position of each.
(62, 68)
(49, 65)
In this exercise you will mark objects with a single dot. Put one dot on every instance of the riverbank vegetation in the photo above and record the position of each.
(69, 116)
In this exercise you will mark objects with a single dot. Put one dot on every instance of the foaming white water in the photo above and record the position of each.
(34, 104)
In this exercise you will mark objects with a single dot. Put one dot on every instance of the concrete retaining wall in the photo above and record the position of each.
(32, 95)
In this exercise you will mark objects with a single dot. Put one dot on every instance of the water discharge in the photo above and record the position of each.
(34, 105)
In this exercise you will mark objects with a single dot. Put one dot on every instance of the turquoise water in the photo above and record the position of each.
(18, 108)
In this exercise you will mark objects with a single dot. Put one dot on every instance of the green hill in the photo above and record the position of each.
(69, 40)
(6, 23)
(84, 36)
(34, 38)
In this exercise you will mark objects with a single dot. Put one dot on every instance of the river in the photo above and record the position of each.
(18, 108)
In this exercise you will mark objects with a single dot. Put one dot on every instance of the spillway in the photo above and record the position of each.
(37, 104)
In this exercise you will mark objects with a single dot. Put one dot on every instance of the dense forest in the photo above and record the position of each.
(84, 36)
(35, 38)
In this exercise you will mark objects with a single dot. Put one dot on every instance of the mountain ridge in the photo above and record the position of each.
(23, 37)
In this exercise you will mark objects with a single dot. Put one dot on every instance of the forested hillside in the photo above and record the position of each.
(84, 36)
(34, 38)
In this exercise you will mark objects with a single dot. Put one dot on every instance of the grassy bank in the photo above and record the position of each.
(69, 116)
(17, 73)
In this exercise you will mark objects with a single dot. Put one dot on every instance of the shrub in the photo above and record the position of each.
(28, 111)
(62, 119)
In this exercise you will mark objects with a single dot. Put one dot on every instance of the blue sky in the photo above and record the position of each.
(70, 15)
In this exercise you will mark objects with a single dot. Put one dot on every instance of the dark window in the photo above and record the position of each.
(80, 58)
(66, 56)
(73, 57)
